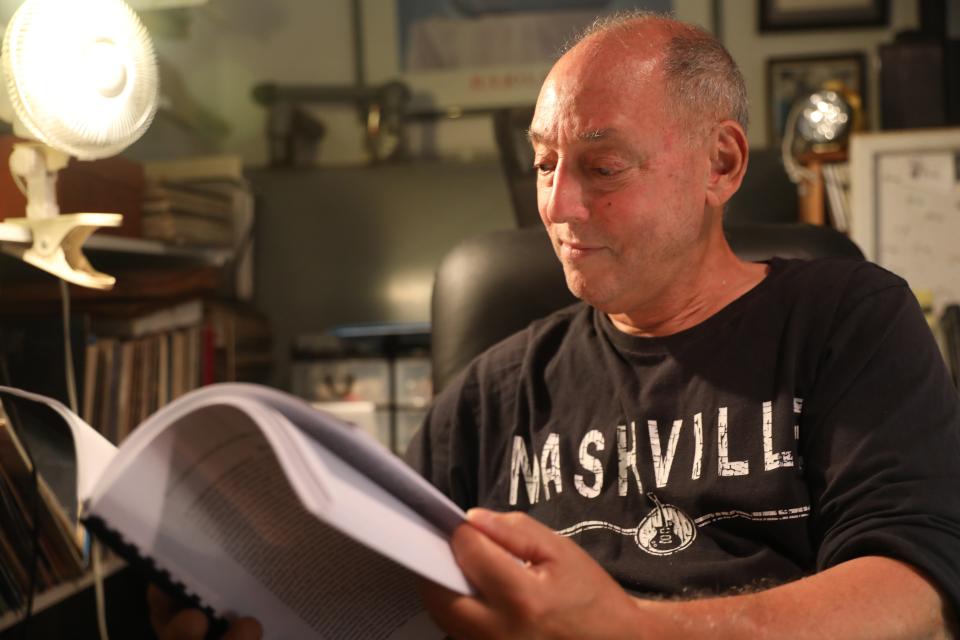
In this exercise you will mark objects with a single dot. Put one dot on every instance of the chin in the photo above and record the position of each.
(591, 293)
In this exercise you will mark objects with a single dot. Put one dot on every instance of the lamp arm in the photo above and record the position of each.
(44, 238)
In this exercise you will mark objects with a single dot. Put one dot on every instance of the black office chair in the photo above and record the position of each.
(489, 287)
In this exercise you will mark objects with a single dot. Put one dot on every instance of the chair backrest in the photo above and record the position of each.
(489, 287)
(516, 157)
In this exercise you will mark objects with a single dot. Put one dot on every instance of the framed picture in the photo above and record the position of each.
(789, 79)
(788, 15)
(463, 55)
(905, 198)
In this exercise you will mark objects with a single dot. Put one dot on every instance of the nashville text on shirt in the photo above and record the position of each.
(541, 474)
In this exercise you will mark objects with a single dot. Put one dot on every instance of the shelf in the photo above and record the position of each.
(61, 592)
(215, 256)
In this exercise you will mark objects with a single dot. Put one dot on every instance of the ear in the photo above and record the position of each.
(728, 162)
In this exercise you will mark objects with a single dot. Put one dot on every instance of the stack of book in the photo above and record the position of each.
(41, 556)
(197, 201)
(135, 366)
(202, 201)
(187, 214)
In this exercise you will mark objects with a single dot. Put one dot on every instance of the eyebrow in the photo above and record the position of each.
(594, 135)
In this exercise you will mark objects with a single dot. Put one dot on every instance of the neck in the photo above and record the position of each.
(700, 290)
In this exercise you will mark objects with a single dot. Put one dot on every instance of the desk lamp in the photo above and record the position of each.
(814, 149)
(80, 81)
(823, 121)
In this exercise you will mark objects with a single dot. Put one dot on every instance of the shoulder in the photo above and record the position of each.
(851, 277)
(836, 286)
(543, 336)
(573, 322)
(481, 398)
(501, 365)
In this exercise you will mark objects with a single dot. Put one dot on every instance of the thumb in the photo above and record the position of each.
(516, 532)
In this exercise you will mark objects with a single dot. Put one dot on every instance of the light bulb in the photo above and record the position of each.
(824, 117)
(105, 68)
(81, 74)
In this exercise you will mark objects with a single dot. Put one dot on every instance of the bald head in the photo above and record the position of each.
(635, 161)
(700, 79)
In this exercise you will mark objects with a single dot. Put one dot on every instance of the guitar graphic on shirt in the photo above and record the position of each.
(666, 539)
(665, 530)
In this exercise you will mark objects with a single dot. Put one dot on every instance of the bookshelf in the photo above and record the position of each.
(55, 595)
(227, 341)
(212, 346)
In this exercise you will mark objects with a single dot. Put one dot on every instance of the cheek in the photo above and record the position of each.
(542, 197)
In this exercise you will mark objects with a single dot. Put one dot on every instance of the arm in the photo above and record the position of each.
(560, 592)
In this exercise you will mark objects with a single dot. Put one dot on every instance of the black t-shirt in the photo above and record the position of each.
(809, 422)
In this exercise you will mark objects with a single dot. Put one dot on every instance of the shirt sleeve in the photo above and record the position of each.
(444, 450)
(882, 440)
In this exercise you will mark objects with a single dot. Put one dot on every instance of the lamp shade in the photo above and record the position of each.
(825, 117)
(81, 76)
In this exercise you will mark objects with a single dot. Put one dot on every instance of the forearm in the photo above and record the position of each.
(871, 597)
(561, 592)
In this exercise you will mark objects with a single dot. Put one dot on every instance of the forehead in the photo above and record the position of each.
(590, 95)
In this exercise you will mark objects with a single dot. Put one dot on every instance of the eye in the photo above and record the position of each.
(544, 168)
(603, 165)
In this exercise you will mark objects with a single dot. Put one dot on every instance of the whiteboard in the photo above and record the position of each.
(905, 200)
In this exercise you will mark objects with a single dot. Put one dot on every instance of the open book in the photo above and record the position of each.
(251, 502)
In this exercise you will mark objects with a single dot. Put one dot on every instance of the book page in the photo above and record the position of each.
(365, 510)
(208, 500)
(381, 477)
(42, 432)
(70, 454)
(357, 448)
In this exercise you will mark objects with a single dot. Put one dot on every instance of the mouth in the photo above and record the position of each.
(577, 250)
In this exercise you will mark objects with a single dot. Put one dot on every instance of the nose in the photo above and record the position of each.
(562, 198)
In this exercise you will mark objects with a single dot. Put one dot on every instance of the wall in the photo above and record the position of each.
(229, 46)
(343, 243)
(342, 246)
(751, 50)
(215, 53)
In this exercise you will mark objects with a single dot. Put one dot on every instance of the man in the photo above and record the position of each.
(706, 426)
(785, 432)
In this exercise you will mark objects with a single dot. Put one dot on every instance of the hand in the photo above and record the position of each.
(558, 591)
(171, 622)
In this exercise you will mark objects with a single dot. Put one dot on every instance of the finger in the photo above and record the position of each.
(244, 629)
(161, 606)
(461, 616)
(188, 624)
(518, 533)
(495, 573)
